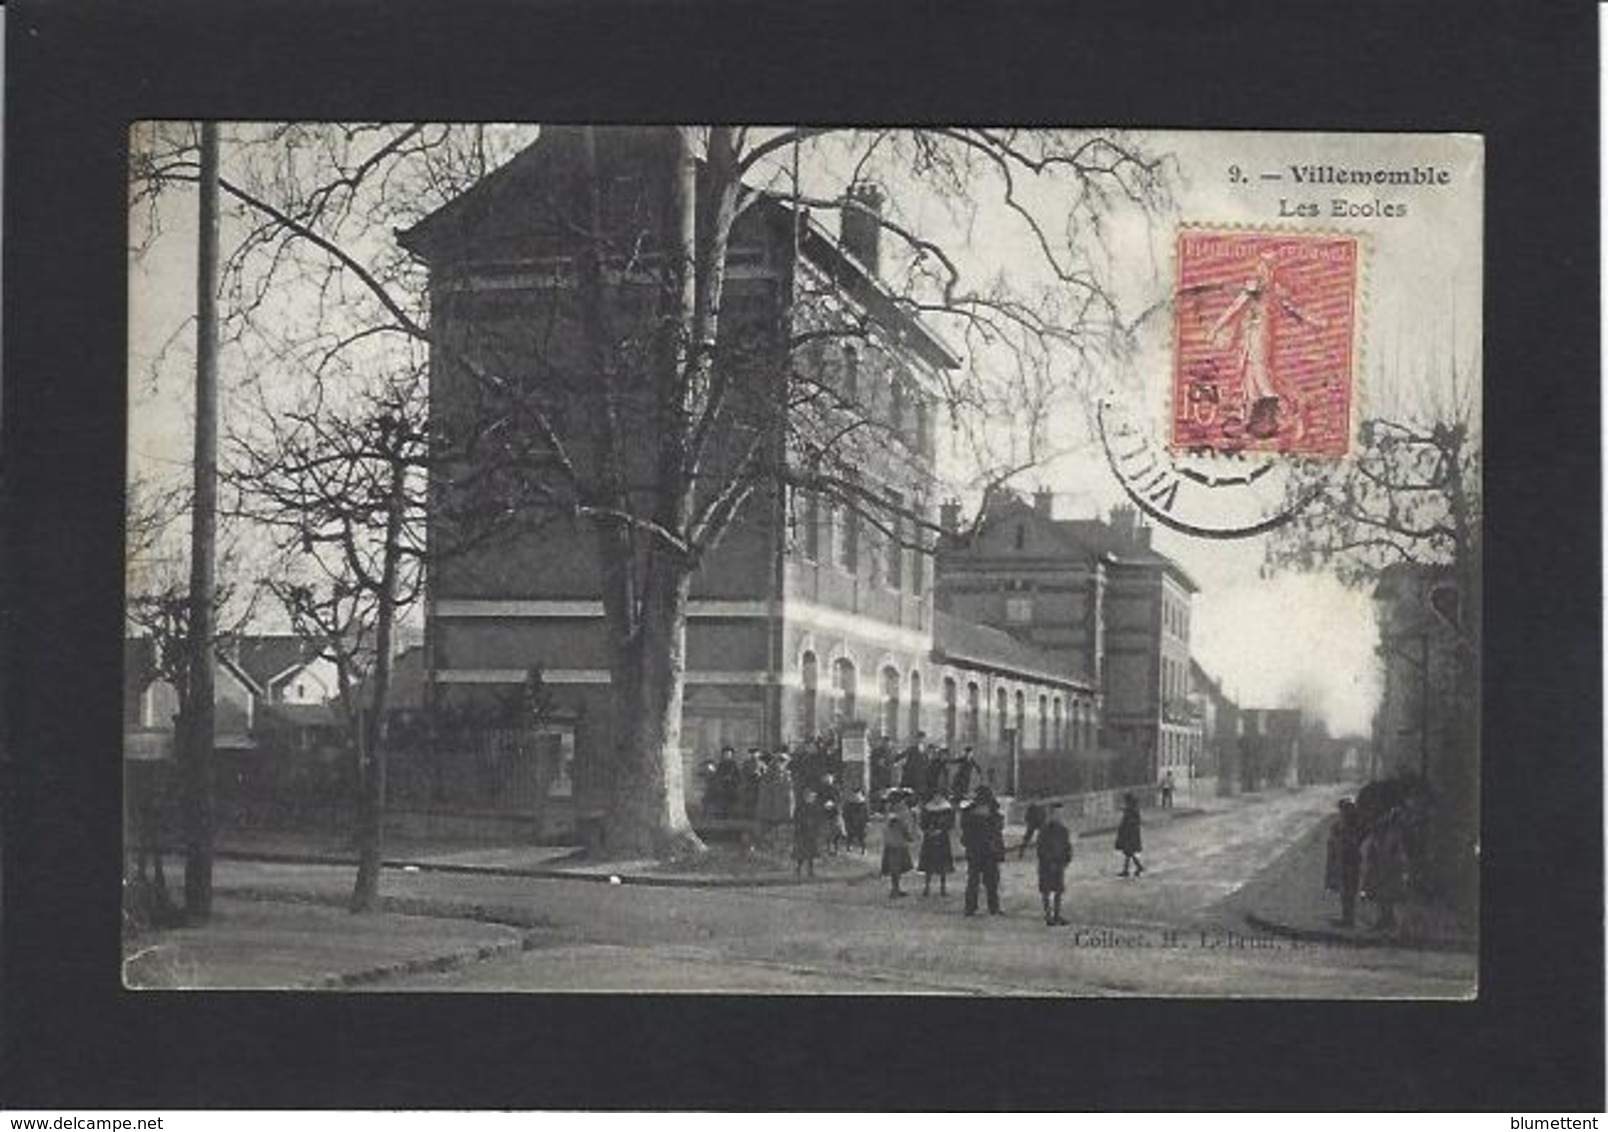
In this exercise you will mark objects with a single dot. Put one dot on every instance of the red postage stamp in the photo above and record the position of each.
(1264, 342)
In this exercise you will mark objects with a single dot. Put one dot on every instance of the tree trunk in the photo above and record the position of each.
(197, 749)
(647, 815)
(372, 749)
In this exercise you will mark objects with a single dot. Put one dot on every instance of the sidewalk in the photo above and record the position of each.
(1288, 899)
(261, 944)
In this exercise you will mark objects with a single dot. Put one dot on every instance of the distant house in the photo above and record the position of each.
(262, 684)
(1220, 730)
(151, 704)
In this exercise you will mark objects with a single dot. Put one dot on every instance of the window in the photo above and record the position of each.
(918, 567)
(920, 438)
(890, 702)
(1060, 726)
(895, 564)
(849, 544)
(851, 373)
(808, 678)
(949, 711)
(1021, 536)
(1019, 610)
(1021, 719)
(915, 703)
(812, 526)
(974, 714)
(1044, 723)
(896, 406)
(1002, 708)
(843, 680)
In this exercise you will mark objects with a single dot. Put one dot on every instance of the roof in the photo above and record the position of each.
(264, 660)
(972, 645)
(407, 681)
(1094, 538)
(446, 228)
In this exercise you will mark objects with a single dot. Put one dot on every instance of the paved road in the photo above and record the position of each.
(1159, 935)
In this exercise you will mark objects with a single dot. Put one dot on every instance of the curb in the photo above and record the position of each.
(431, 964)
(646, 880)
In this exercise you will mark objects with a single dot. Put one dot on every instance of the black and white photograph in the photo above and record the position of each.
(792, 560)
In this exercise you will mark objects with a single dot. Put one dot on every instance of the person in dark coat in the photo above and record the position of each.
(1054, 855)
(966, 767)
(1129, 841)
(1033, 819)
(728, 783)
(913, 772)
(937, 855)
(937, 773)
(856, 818)
(806, 834)
(1168, 785)
(1384, 872)
(982, 831)
(1343, 870)
(897, 834)
(831, 799)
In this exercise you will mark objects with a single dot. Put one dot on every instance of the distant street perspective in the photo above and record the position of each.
(799, 560)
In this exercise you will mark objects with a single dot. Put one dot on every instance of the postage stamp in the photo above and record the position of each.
(1265, 341)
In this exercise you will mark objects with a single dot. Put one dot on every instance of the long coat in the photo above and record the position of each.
(896, 837)
(807, 821)
(1054, 855)
(937, 855)
(982, 832)
(1129, 839)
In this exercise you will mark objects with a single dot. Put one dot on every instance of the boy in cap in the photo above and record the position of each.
(1054, 855)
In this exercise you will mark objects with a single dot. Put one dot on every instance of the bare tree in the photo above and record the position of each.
(674, 405)
(343, 492)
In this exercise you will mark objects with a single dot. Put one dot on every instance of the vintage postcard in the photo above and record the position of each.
(803, 560)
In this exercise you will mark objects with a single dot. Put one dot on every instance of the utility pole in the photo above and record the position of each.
(198, 740)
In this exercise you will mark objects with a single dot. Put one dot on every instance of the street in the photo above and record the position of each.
(1163, 934)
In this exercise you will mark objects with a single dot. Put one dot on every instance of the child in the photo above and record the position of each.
(1054, 855)
(1033, 821)
(806, 834)
(1129, 842)
(937, 855)
(897, 834)
(856, 817)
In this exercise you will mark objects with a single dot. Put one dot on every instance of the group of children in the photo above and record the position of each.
(982, 825)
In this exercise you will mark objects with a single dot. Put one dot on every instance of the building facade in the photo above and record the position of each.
(1094, 594)
(806, 617)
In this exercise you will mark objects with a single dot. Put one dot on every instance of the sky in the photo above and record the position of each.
(1284, 640)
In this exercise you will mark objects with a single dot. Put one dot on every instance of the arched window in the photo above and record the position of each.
(1060, 726)
(915, 703)
(1002, 720)
(974, 713)
(1021, 718)
(851, 373)
(949, 711)
(1044, 723)
(809, 678)
(843, 682)
(890, 702)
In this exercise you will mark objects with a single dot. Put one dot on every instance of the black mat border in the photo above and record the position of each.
(1523, 75)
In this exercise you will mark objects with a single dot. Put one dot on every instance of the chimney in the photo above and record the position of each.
(949, 516)
(861, 231)
(1122, 524)
(1044, 502)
